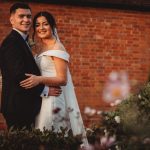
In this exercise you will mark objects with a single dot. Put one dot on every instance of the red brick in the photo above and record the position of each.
(99, 41)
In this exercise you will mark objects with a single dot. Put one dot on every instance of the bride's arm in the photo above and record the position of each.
(60, 79)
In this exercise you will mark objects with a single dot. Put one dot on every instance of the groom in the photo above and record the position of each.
(20, 106)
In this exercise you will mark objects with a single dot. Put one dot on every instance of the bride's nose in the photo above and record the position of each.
(41, 26)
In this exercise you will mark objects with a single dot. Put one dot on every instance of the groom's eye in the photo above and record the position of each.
(21, 16)
(29, 16)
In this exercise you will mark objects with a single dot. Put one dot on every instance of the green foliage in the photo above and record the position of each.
(135, 113)
(110, 123)
(134, 127)
(128, 125)
(36, 140)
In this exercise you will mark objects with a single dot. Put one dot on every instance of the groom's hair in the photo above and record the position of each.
(18, 5)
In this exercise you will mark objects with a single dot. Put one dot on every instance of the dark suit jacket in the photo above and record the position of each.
(16, 60)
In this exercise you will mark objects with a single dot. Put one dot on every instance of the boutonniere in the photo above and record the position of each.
(31, 42)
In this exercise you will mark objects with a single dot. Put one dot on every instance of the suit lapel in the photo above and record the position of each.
(25, 48)
(23, 43)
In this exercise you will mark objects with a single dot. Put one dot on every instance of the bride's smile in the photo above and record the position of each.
(43, 28)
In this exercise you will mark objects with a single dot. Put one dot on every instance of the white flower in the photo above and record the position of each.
(117, 119)
(118, 101)
(106, 132)
(89, 111)
(146, 141)
(112, 104)
(107, 141)
(113, 76)
(104, 140)
(89, 129)
(88, 147)
(93, 111)
(99, 112)
(139, 96)
(117, 147)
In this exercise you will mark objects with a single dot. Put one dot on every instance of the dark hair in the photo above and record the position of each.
(18, 5)
(50, 19)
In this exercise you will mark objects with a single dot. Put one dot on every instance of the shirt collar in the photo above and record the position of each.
(24, 36)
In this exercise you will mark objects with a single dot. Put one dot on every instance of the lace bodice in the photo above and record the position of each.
(46, 63)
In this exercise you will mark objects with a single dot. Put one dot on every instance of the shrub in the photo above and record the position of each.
(36, 140)
(127, 127)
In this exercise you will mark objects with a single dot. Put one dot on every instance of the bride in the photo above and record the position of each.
(53, 59)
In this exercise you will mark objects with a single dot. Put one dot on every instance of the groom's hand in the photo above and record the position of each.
(54, 91)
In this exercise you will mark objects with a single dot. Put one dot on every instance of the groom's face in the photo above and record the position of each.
(21, 20)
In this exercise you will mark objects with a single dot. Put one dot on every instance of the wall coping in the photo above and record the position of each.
(138, 5)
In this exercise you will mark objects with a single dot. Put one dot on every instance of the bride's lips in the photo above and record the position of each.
(43, 32)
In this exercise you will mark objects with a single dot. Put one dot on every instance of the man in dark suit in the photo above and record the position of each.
(19, 106)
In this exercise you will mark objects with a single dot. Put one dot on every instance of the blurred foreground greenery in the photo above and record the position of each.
(125, 128)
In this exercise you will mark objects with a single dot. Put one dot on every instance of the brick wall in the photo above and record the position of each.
(99, 40)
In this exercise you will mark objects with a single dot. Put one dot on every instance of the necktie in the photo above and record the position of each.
(27, 38)
(27, 41)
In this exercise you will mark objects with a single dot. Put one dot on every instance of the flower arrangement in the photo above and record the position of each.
(125, 128)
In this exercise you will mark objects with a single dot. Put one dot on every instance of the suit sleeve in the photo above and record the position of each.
(16, 67)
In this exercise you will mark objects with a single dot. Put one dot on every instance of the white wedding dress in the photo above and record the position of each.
(61, 111)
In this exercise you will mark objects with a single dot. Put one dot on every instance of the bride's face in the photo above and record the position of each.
(43, 29)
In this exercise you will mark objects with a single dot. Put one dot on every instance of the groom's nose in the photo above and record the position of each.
(26, 18)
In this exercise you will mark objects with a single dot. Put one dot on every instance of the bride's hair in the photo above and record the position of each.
(50, 19)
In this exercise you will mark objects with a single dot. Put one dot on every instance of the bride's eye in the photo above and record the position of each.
(36, 25)
(46, 24)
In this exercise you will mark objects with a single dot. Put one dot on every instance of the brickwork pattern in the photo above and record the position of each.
(99, 40)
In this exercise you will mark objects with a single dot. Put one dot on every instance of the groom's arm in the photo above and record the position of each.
(15, 64)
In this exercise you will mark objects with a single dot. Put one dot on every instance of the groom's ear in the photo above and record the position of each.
(11, 19)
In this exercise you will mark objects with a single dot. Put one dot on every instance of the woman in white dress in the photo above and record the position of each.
(52, 59)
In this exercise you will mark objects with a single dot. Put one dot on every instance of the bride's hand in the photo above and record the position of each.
(30, 82)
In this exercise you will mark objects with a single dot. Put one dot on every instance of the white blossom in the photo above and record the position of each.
(117, 119)
(89, 147)
(112, 104)
(118, 101)
(89, 129)
(107, 141)
(146, 141)
(139, 96)
(89, 111)
(99, 112)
